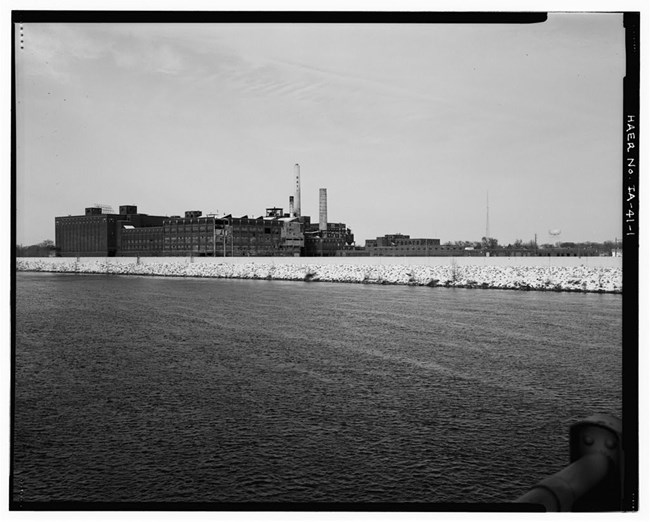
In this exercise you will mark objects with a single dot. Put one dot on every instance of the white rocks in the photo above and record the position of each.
(577, 279)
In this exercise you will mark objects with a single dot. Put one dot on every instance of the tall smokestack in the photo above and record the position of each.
(322, 210)
(291, 206)
(296, 170)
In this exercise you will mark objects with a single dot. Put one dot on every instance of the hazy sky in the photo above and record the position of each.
(407, 126)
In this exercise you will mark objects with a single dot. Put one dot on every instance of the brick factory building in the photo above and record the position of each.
(98, 234)
(332, 241)
(102, 233)
(140, 241)
(193, 234)
(403, 245)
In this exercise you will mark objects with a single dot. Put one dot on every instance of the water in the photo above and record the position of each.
(145, 389)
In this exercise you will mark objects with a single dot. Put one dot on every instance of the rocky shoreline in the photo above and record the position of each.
(560, 279)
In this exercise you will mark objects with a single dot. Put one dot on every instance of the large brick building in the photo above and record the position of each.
(331, 241)
(404, 245)
(98, 234)
(93, 234)
(130, 233)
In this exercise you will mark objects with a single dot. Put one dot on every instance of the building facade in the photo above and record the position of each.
(93, 234)
(140, 241)
(332, 241)
(193, 235)
(96, 234)
(130, 233)
(404, 245)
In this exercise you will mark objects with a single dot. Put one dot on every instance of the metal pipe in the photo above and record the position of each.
(559, 492)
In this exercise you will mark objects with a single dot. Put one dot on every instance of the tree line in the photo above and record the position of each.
(490, 243)
(45, 248)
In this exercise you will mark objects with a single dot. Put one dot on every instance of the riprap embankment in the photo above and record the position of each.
(554, 278)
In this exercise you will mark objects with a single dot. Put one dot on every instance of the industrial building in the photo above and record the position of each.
(403, 245)
(324, 238)
(99, 234)
(106, 234)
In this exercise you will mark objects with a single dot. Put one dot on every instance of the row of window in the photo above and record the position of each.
(84, 221)
(430, 247)
(189, 240)
(189, 228)
(182, 222)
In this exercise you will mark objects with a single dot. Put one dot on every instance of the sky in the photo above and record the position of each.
(412, 128)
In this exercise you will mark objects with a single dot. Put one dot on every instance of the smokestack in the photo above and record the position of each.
(296, 170)
(322, 210)
(291, 206)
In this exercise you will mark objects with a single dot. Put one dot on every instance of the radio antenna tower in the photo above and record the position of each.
(487, 216)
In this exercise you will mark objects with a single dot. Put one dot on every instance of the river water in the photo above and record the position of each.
(147, 389)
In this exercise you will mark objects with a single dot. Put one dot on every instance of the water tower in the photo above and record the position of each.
(554, 235)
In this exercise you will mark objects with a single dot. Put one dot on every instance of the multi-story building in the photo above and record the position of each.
(331, 241)
(92, 234)
(98, 234)
(140, 241)
(292, 236)
(229, 235)
(252, 236)
(138, 234)
(132, 234)
(194, 234)
(404, 245)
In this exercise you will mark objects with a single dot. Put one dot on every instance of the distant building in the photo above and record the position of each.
(291, 236)
(132, 234)
(140, 241)
(193, 234)
(261, 236)
(403, 245)
(332, 241)
(96, 234)
(228, 235)
(102, 233)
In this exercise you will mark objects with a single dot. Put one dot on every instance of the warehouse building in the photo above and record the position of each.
(102, 233)
(404, 245)
(193, 235)
(140, 241)
(332, 241)
(96, 233)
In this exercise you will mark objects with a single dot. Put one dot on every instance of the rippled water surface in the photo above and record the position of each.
(162, 389)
